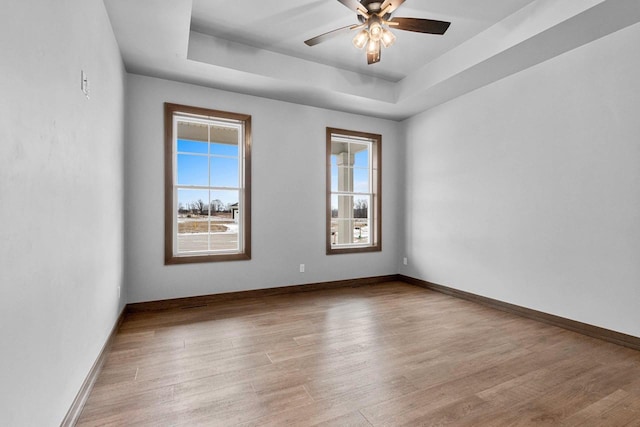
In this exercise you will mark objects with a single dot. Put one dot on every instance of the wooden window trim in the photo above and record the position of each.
(377, 196)
(169, 257)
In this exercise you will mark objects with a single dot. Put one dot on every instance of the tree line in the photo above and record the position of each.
(199, 207)
(360, 210)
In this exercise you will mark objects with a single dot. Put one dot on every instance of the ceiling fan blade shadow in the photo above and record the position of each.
(329, 35)
(418, 25)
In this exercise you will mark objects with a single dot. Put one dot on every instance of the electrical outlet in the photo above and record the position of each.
(301, 268)
(404, 261)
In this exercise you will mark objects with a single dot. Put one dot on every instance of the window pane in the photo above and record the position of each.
(186, 146)
(361, 211)
(192, 216)
(193, 170)
(225, 220)
(361, 231)
(361, 180)
(220, 149)
(361, 207)
(342, 231)
(192, 242)
(343, 172)
(224, 172)
(334, 177)
(193, 132)
(345, 178)
(334, 206)
(194, 202)
(344, 206)
(349, 231)
(360, 154)
(224, 134)
(334, 231)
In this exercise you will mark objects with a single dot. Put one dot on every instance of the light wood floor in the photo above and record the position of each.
(383, 355)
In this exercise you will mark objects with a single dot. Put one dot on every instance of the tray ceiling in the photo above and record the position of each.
(256, 47)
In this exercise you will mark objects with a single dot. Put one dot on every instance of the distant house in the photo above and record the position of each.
(234, 212)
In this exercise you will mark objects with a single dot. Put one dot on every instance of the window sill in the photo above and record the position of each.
(353, 250)
(193, 259)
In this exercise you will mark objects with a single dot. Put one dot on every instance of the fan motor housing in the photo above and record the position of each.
(373, 6)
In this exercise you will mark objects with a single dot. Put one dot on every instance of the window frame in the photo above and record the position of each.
(170, 232)
(376, 196)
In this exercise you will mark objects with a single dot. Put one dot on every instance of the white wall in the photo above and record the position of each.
(528, 190)
(61, 202)
(288, 196)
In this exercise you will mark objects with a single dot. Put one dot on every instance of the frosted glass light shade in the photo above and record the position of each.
(361, 39)
(375, 31)
(373, 46)
(388, 38)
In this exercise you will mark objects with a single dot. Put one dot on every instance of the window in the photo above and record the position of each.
(207, 185)
(353, 191)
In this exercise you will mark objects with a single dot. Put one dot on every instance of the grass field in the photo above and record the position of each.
(200, 227)
(193, 223)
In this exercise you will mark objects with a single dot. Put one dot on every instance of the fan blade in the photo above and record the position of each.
(326, 36)
(418, 25)
(391, 5)
(355, 6)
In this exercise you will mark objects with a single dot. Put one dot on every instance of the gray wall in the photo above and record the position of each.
(61, 203)
(288, 195)
(528, 190)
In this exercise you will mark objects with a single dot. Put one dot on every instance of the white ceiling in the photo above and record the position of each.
(283, 26)
(256, 47)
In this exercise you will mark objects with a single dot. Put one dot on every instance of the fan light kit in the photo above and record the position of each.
(375, 26)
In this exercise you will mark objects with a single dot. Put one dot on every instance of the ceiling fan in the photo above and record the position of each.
(375, 23)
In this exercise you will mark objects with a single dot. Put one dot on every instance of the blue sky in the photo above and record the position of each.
(193, 169)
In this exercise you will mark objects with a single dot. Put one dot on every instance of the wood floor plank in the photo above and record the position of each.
(324, 410)
(352, 419)
(384, 355)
